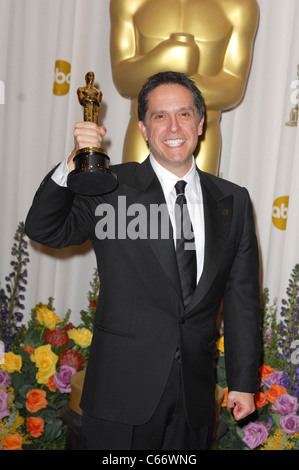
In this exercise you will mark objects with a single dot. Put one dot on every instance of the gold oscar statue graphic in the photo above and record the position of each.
(211, 41)
(92, 175)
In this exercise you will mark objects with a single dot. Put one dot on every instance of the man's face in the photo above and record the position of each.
(172, 127)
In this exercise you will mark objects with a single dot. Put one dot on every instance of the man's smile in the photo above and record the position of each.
(174, 142)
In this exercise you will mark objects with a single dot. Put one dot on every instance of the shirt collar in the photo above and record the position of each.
(168, 179)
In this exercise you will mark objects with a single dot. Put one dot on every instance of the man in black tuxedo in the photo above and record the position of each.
(150, 378)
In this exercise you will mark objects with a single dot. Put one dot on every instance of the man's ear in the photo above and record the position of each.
(143, 130)
(200, 126)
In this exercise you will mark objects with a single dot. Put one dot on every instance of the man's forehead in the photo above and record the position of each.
(169, 96)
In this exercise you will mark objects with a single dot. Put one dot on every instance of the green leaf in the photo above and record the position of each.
(276, 418)
(17, 381)
(49, 416)
(24, 390)
(53, 430)
(33, 339)
(239, 432)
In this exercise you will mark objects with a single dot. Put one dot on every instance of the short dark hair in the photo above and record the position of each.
(165, 78)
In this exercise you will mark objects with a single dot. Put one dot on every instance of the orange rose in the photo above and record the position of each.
(225, 397)
(260, 400)
(35, 426)
(274, 392)
(29, 349)
(12, 442)
(36, 400)
(50, 384)
(265, 371)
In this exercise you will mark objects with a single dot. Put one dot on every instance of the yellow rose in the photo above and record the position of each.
(220, 344)
(45, 360)
(81, 336)
(12, 362)
(47, 317)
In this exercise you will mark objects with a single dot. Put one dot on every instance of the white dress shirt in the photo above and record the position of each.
(194, 199)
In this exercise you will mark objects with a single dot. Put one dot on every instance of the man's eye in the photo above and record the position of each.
(159, 116)
(185, 115)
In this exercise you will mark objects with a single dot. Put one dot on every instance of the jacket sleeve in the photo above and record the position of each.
(241, 311)
(59, 218)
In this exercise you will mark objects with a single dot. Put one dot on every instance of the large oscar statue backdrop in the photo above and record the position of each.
(210, 41)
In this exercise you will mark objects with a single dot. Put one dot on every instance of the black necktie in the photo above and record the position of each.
(185, 243)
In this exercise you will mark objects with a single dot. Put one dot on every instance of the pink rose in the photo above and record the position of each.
(5, 379)
(255, 434)
(62, 379)
(286, 404)
(289, 423)
(273, 378)
(3, 404)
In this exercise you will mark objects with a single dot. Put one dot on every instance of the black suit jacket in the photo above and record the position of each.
(140, 318)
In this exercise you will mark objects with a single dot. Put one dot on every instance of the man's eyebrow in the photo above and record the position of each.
(162, 111)
(188, 108)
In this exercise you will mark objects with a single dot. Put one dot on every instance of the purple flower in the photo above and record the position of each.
(286, 404)
(273, 378)
(3, 404)
(289, 423)
(255, 434)
(285, 382)
(5, 379)
(62, 379)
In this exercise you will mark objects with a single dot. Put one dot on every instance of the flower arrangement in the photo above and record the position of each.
(35, 382)
(275, 423)
(38, 363)
(12, 297)
(40, 359)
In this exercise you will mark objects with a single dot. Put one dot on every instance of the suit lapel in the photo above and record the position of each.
(217, 217)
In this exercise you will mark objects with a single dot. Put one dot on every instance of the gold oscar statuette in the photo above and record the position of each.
(92, 175)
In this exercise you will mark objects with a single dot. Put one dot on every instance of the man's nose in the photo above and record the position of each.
(174, 124)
